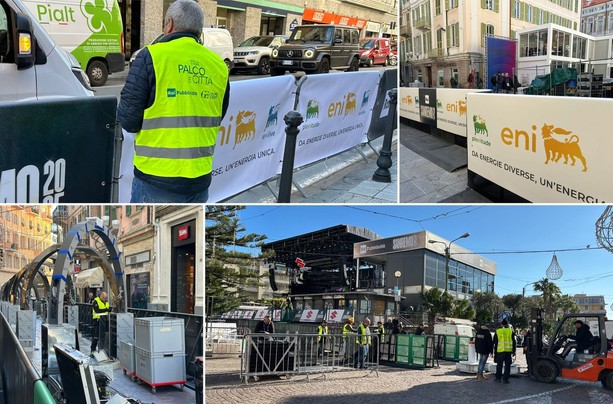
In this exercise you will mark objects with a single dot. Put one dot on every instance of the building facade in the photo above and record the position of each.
(590, 304)
(597, 17)
(162, 247)
(25, 232)
(441, 39)
(143, 20)
(416, 262)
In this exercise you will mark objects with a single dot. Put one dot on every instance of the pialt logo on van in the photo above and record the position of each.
(557, 143)
(98, 14)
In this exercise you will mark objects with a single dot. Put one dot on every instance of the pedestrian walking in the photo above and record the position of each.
(363, 340)
(176, 128)
(100, 314)
(504, 346)
(484, 346)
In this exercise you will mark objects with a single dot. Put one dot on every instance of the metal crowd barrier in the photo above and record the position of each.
(20, 381)
(410, 349)
(304, 354)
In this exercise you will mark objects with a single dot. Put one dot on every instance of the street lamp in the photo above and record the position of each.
(448, 257)
(397, 294)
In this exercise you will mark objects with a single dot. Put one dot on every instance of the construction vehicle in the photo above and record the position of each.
(558, 357)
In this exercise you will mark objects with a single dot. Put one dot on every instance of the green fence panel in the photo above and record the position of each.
(463, 343)
(42, 395)
(451, 348)
(403, 343)
(418, 350)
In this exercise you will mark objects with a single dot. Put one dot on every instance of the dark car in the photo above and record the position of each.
(317, 49)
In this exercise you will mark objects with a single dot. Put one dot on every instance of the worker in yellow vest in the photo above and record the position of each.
(322, 339)
(175, 97)
(348, 328)
(363, 340)
(100, 314)
(504, 348)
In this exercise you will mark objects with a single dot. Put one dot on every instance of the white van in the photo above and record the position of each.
(462, 330)
(91, 30)
(217, 40)
(32, 65)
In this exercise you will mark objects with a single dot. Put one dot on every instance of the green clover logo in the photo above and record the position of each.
(99, 18)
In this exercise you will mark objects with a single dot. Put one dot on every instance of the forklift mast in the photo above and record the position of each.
(535, 346)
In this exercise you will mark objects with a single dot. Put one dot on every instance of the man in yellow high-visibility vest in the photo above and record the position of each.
(100, 314)
(175, 97)
(363, 340)
(504, 348)
(322, 332)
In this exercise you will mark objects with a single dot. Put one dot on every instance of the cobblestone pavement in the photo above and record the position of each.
(433, 385)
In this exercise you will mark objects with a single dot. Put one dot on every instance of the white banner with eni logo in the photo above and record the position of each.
(251, 137)
(337, 109)
(409, 103)
(544, 149)
(451, 109)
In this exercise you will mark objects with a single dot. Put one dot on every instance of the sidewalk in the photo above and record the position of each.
(422, 181)
(344, 178)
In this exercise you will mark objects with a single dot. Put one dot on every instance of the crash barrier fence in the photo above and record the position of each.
(338, 112)
(306, 354)
(221, 339)
(20, 380)
(194, 329)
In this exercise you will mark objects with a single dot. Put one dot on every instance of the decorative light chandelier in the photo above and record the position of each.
(554, 271)
(604, 229)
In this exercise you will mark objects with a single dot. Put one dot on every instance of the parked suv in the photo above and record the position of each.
(317, 49)
(254, 53)
(375, 51)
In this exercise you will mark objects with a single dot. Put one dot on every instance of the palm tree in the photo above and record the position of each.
(434, 302)
(550, 292)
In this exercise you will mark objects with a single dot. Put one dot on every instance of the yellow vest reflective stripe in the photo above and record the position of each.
(505, 341)
(101, 305)
(362, 336)
(179, 130)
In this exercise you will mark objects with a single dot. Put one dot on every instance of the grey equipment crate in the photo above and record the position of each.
(160, 334)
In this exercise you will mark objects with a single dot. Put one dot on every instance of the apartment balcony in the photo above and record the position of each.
(405, 30)
(435, 53)
(422, 24)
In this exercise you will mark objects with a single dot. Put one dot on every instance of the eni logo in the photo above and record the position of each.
(343, 108)
(245, 129)
(567, 147)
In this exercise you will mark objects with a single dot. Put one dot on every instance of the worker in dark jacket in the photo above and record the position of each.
(484, 346)
(583, 337)
(164, 103)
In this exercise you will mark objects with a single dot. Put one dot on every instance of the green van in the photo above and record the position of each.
(92, 30)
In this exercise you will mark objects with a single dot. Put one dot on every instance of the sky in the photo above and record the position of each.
(505, 234)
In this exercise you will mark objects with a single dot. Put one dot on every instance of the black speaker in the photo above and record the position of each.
(271, 277)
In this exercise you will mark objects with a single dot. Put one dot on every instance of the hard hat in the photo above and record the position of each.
(350, 318)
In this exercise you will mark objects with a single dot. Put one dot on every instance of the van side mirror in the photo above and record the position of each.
(26, 43)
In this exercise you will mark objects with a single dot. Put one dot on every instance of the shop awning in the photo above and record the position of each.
(90, 278)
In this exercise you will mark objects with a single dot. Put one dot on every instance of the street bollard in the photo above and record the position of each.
(292, 119)
(384, 162)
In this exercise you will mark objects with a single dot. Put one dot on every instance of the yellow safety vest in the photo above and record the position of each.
(179, 130)
(362, 336)
(505, 341)
(101, 305)
(321, 330)
(347, 329)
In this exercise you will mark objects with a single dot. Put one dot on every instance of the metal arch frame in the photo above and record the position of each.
(65, 256)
